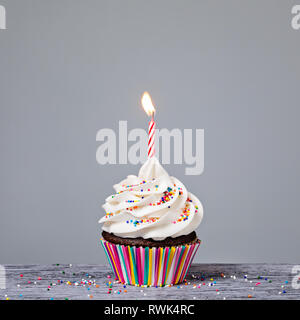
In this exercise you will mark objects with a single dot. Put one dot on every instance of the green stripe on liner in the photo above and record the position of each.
(167, 266)
(107, 257)
(134, 266)
(146, 266)
(181, 254)
(162, 264)
(122, 256)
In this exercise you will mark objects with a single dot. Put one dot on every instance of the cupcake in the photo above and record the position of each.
(149, 228)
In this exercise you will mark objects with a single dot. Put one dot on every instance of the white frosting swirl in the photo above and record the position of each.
(152, 205)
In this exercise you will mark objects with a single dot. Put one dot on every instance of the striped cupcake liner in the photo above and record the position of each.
(150, 266)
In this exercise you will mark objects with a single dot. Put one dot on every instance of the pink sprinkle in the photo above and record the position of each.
(108, 277)
(21, 275)
(39, 278)
(257, 283)
(29, 281)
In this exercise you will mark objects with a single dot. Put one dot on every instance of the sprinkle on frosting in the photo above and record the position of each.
(138, 222)
(184, 216)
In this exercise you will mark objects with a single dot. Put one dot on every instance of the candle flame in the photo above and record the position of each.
(147, 104)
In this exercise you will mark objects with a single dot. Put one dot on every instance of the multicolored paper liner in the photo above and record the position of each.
(150, 266)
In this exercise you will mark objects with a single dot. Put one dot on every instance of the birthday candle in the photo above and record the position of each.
(150, 110)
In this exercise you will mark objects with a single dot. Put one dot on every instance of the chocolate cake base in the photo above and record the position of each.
(140, 242)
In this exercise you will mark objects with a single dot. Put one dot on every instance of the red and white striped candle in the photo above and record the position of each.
(150, 110)
(151, 138)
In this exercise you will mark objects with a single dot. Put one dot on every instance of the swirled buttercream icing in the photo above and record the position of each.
(151, 205)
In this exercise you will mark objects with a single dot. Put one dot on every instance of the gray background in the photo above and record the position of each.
(69, 68)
